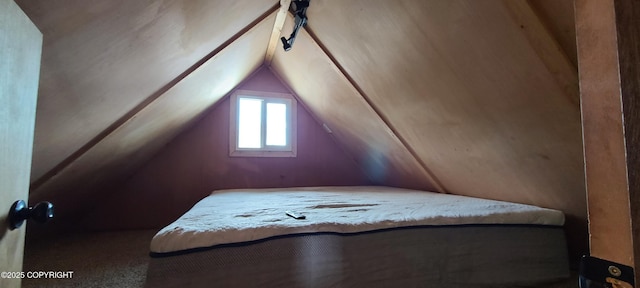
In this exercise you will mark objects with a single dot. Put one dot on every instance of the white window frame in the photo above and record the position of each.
(266, 151)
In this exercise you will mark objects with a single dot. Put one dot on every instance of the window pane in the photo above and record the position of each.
(276, 124)
(249, 117)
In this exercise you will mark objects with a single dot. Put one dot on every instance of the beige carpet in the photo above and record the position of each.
(108, 259)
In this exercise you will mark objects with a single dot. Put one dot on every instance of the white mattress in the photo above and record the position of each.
(240, 215)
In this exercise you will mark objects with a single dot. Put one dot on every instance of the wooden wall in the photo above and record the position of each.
(103, 59)
(124, 149)
(198, 161)
(558, 17)
(463, 95)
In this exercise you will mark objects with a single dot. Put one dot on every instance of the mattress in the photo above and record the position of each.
(233, 216)
(358, 237)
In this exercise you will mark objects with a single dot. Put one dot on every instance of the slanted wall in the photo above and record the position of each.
(198, 161)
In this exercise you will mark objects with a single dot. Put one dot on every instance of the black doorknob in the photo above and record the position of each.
(19, 212)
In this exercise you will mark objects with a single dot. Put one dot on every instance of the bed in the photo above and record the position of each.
(357, 237)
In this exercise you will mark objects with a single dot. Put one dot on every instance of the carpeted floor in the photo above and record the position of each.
(108, 259)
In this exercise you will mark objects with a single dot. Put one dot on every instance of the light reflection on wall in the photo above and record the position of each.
(376, 166)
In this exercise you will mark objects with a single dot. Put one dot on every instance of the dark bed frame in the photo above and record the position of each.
(424, 256)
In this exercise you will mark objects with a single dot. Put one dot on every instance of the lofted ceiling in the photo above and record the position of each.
(475, 98)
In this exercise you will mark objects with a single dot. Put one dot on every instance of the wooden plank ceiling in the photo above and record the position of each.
(468, 97)
(104, 61)
(476, 98)
(461, 87)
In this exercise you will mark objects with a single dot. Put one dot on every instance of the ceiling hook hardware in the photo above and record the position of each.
(300, 12)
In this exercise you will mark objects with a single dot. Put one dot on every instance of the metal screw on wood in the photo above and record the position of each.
(615, 271)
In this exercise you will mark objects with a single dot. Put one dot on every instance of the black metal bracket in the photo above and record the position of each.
(300, 11)
(600, 273)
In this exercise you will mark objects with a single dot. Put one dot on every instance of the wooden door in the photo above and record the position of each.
(20, 51)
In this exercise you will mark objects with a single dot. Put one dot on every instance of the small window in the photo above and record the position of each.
(262, 124)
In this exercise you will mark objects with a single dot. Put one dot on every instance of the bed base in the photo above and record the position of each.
(431, 256)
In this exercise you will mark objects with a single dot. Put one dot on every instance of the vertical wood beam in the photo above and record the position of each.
(604, 132)
(277, 31)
